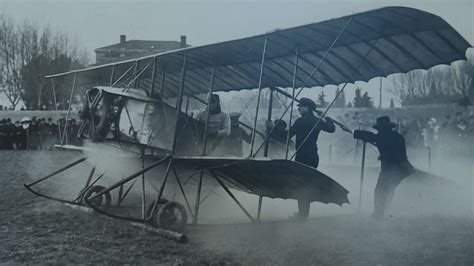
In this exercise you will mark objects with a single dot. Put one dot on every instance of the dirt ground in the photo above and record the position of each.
(38, 231)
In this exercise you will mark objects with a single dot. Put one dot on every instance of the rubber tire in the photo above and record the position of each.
(96, 190)
(162, 219)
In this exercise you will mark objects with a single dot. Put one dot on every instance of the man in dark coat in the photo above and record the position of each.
(9, 134)
(2, 134)
(393, 158)
(306, 141)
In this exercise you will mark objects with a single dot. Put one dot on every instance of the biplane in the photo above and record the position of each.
(140, 107)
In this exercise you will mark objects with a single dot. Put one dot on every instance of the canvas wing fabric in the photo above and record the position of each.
(272, 178)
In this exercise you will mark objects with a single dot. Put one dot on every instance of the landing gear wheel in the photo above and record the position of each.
(102, 202)
(150, 208)
(170, 215)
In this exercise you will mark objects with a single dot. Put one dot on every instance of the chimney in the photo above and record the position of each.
(123, 39)
(183, 41)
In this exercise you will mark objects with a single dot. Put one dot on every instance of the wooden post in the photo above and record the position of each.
(429, 159)
(362, 175)
(259, 212)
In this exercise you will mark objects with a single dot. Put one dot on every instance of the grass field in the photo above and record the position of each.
(37, 231)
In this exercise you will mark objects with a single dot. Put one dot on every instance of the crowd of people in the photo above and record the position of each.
(37, 133)
(447, 134)
(453, 134)
(60, 105)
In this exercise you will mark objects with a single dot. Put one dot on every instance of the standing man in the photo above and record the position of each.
(2, 133)
(307, 150)
(393, 159)
(9, 134)
(23, 134)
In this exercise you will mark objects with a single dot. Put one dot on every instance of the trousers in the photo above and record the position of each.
(310, 159)
(387, 182)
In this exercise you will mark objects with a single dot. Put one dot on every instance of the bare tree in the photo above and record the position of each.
(441, 84)
(10, 60)
(27, 54)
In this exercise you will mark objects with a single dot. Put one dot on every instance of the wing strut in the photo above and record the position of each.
(309, 78)
(329, 106)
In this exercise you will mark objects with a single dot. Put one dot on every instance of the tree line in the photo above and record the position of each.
(28, 52)
(360, 100)
(441, 84)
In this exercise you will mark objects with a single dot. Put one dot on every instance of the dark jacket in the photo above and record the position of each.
(392, 149)
(301, 129)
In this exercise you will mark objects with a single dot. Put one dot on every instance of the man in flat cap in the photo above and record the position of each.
(306, 129)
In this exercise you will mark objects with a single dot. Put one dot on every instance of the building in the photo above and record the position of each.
(134, 49)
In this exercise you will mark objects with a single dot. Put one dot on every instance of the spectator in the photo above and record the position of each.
(2, 134)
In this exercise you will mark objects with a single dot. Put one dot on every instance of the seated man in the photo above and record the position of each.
(219, 124)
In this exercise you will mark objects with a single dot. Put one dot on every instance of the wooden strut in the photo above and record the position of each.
(125, 180)
(89, 179)
(143, 184)
(130, 177)
(30, 185)
(295, 73)
(123, 195)
(265, 151)
(231, 195)
(309, 78)
(68, 110)
(57, 172)
(162, 188)
(80, 197)
(55, 104)
(262, 66)
(182, 191)
(198, 199)
(197, 203)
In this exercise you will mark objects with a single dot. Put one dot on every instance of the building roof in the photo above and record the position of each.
(142, 45)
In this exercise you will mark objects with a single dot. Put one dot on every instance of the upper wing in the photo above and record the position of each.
(271, 178)
(374, 43)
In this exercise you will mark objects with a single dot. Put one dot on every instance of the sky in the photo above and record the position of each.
(99, 23)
